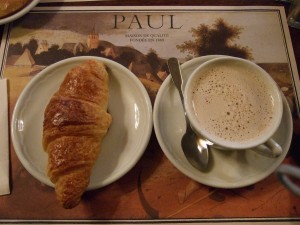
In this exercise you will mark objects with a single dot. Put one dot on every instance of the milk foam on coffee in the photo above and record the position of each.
(230, 102)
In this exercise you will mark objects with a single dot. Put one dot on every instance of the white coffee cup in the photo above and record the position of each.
(235, 104)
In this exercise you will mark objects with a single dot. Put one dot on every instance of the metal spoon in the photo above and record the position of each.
(195, 148)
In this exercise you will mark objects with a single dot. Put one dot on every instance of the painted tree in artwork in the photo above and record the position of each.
(153, 60)
(215, 39)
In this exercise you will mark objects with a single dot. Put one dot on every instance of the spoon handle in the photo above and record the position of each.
(176, 75)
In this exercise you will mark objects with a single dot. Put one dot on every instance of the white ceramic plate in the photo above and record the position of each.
(125, 141)
(19, 13)
(228, 169)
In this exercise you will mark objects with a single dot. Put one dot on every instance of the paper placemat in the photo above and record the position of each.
(141, 39)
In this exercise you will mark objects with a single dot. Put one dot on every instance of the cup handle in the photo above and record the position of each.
(283, 172)
(269, 149)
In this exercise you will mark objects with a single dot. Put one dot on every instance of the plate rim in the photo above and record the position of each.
(18, 107)
(182, 168)
(19, 13)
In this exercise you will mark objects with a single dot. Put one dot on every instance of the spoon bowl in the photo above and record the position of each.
(195, 149)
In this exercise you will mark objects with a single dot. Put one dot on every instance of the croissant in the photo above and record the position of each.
(75, 122)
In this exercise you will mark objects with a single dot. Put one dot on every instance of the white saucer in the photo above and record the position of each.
(125, 142)
(19, 13)
(229, 169)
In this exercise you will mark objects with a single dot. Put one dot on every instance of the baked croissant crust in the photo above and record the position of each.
(8, 7)
(75, 122)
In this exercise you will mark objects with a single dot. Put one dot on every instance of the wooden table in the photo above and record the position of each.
(176, 196)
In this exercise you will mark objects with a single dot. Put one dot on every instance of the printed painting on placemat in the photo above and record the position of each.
(142, 41)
